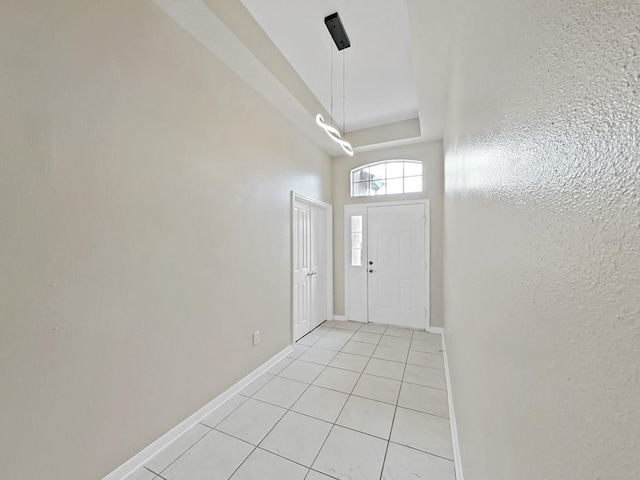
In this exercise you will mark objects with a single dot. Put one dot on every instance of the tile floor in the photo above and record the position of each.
(353, 401)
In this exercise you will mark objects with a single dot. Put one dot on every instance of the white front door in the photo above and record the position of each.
(396, 265)
(386, 265)
(309, 267)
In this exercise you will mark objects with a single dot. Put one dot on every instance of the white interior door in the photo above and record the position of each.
(309, 267)
(301, 269)
(318, 262)
(396, 265)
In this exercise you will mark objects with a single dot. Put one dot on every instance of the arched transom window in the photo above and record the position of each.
(386, 178)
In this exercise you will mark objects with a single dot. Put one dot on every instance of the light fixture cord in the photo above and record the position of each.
(344, 66)
(331, 80)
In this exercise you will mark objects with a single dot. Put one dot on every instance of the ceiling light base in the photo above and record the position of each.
(337, 31)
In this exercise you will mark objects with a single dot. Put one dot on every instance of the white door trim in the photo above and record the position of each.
(329, 234)
(361, 208)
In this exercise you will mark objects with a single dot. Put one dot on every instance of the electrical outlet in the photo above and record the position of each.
(256, 337)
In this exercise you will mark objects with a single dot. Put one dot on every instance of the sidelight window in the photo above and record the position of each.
(356, 240)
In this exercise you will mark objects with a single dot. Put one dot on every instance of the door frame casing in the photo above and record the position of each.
(361, 209)
(329, 252)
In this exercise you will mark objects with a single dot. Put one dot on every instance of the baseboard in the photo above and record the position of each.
(339, 317)
(452, 414)
(142, 457)
(438, 330)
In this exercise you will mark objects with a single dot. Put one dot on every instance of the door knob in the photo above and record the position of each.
(371, 271)
(370, 262)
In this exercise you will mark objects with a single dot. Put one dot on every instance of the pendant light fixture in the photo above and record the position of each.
(340, 38)
(334, 134)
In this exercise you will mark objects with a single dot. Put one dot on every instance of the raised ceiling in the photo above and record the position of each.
(397, 69)
(380, 86)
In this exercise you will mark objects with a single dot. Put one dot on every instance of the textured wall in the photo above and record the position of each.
(430, 153)
(144, 231)
(542, 238)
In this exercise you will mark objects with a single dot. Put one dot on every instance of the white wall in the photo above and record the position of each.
(144, 231)
(430, 154)
(542, 239)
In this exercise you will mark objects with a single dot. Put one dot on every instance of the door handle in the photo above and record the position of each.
(371, 271)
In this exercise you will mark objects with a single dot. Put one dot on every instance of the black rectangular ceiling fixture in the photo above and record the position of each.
(340, 37)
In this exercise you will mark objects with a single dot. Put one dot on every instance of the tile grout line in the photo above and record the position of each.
(324, 474)
(333, 424)
(337, 417)
(386, 451)
(271, 429)
(190, 447)
(447, 418)
(150, 471)
(356, 371)
(345, 404)
(283, 457)
(395, 361)
(396, 406)
(278, 422)
(418, 411)
(340, 413)
(421, 451)
(395, 411)
(245, 459)
(274, 425)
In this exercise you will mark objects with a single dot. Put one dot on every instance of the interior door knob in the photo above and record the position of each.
(371, 271)
(370, 262)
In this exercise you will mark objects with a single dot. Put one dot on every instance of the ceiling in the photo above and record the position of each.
(396, 71)
(379, 83)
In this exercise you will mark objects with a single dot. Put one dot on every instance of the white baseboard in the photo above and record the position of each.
(452, 414)
(438, 330)
(143, 457)
(339, 317)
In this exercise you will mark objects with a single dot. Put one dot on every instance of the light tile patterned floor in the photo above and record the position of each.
(353, 401)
